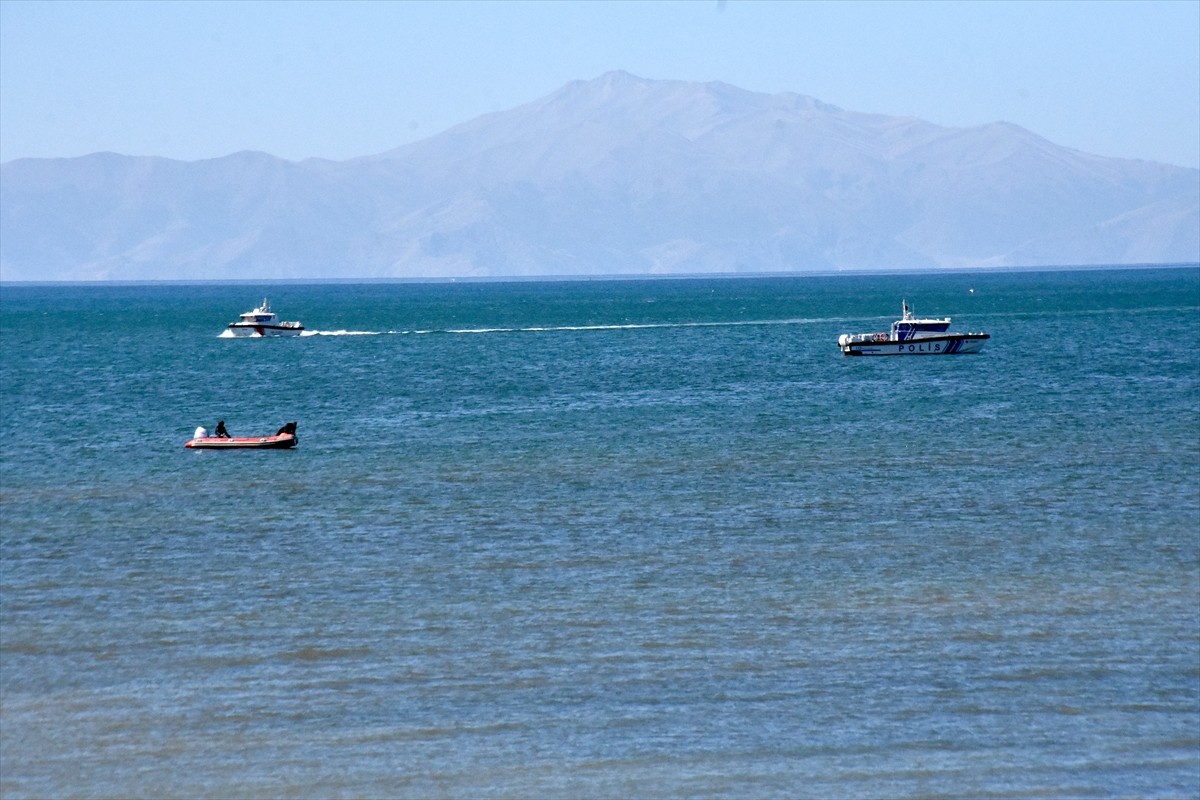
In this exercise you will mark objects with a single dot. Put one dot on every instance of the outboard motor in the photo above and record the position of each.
(201, 433)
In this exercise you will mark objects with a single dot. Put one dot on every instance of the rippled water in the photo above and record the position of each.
(603, 539)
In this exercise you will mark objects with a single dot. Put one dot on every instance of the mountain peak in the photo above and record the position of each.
(618, 78)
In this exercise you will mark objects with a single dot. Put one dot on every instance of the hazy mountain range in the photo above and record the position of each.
(612, 175)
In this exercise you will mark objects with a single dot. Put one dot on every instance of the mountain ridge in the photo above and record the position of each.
(617, 175)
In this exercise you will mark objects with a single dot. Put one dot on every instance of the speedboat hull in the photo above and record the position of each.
(280, 441)
(239, 329)
(950, 344)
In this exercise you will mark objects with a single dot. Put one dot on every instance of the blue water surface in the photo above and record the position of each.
(614, 538)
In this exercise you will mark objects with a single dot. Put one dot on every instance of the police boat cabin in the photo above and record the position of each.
(913, 337)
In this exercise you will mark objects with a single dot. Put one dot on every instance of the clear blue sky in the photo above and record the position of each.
(192, 80)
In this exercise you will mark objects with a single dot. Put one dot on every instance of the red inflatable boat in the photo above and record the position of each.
(286, 437)
(281, 441)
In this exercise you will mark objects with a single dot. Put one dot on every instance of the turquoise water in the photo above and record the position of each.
(650, 538)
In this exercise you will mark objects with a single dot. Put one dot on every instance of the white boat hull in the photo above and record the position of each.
(950, 344)
(239, 330)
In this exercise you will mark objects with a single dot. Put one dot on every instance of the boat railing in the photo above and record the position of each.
(859, 338)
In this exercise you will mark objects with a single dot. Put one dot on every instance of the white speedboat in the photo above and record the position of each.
(262, 321)
(913, 337)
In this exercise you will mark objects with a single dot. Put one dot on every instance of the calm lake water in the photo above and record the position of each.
(627, 538)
